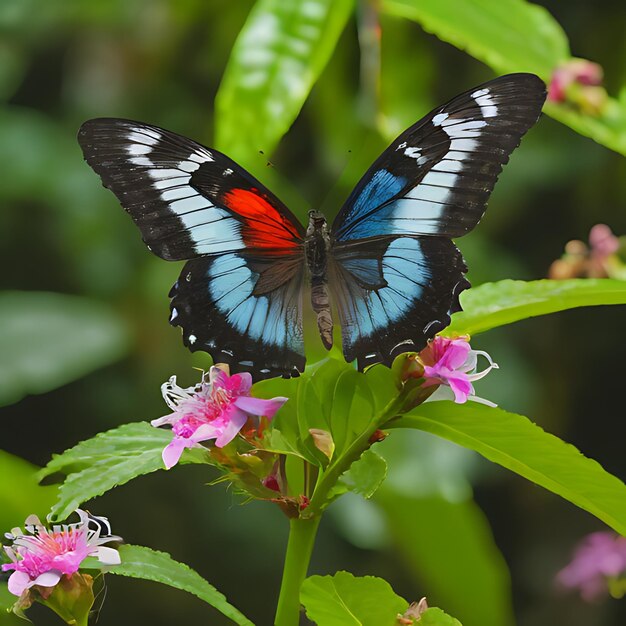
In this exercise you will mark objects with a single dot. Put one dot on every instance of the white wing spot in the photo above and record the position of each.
(227, 172)
(135, 149)
(174, 315)
(141, 160)
(192, 339)
(145, 137)
(439, 119)
(188, 166)
(486, 103)
(402, 145)
(202, 156)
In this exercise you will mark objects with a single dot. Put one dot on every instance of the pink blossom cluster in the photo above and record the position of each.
(217, 408)
(41, 556)
(600, 556)
(453, 365)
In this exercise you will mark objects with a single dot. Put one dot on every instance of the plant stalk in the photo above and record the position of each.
(299, 548)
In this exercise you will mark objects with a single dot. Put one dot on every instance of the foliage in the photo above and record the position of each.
(523, 447)
(275, 61)
(458, 533)
(141, 562)
(110, 459)
(51, 339)
(344, 599)
(496, 304)
(514, 36)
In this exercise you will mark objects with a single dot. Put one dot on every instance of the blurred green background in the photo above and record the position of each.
(62, 62)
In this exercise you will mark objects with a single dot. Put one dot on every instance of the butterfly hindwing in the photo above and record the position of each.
(394, 293)
(436, 177)
(217, 303)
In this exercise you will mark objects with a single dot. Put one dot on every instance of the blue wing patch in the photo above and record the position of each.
(409, 301)
(436, 177)
(216, 303)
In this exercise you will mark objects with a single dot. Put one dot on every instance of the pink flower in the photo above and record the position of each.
(41, 556)
(575, 71)
(603, 242)
(599, 557)
(217, 409)
(453, 364)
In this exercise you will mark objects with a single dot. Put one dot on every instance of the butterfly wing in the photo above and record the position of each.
(244, 246)
(223, 308)
(397, 276)
(393, 293)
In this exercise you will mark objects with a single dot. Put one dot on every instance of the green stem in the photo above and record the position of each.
(330, 477)
(299, 548)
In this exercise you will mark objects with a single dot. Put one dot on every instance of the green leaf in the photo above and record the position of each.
(514, 36)
(366, 475)
(516, 443)
(436, 617)
(141, 562)
(508, 35)
(50, 339)
(352, 408)
(459, 541)
(608, 128)
(109, 459)
(345, 600)
(507, 301)
(278, 56)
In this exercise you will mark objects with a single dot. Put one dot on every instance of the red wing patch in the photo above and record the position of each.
(264, 226)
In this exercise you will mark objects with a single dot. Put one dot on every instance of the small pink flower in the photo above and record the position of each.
(217, 409)
(575, 71)
(603, 242)
(452, 363)
(599, 557)
(41, 556)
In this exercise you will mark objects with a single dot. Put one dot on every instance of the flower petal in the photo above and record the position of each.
(107, 556)
(259, 406)
(455, 354)
(206, 432)
(47, 579)
(166, 419)
(461, 387)
(492, 366)
(18, 583)
(236, 418)
(173, 451)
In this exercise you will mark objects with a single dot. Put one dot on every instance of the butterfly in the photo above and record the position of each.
(387, 264)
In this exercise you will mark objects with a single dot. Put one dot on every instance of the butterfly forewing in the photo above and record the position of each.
(397, 276)
(186, 199)
(436, 177)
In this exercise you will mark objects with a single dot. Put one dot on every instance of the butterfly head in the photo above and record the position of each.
(317, 222)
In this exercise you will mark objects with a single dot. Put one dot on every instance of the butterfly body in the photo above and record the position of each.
(317, 248)
(387, 264)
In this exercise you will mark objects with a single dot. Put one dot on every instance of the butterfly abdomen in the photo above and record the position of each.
(316, 249)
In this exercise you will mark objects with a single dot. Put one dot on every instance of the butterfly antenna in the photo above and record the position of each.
(268, 163)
